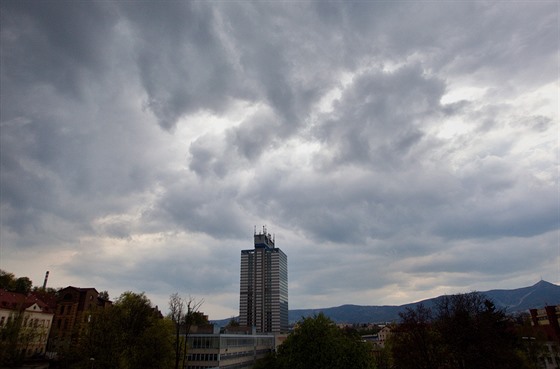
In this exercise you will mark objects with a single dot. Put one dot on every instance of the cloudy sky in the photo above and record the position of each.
(396, 150)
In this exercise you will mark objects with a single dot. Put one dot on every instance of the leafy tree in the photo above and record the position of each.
(476, 333)
(10, 350)
(415, 343)
(104, 295)
(23, 285)
(7, 280)
(136, 319)
(467, 332)
(317, 343)
(130, 334)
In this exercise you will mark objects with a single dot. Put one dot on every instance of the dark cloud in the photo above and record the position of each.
(396, 149)
(380, 118)
(54, 43)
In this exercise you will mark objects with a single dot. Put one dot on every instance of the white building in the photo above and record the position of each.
(31, 315)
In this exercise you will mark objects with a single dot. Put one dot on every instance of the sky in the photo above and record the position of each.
(396, 150)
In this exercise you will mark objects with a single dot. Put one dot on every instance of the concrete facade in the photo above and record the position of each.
(263, 297)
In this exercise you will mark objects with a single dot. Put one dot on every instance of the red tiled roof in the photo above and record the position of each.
(17, 301)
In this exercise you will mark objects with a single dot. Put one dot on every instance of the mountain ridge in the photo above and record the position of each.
(513, 301)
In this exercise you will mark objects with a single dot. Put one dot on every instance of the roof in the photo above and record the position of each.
(80, 289)
(19, 301)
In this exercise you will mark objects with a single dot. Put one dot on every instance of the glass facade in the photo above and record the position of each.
(227, 350)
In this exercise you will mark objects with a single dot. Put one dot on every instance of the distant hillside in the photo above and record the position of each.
(514, 301)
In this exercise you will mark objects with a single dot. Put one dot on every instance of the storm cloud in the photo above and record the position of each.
(397, 150)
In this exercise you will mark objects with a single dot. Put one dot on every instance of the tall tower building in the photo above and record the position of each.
(263, 297)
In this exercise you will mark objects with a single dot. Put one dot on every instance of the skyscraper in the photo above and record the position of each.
(263, 297)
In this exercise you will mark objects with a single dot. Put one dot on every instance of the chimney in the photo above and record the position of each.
(45, 282)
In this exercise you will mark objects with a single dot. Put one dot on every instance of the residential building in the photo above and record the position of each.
(31, 318)
(73, 309)
(263, 297)
(384, 335)
(547, 321)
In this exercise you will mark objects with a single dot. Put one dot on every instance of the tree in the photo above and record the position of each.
(465, 332)
(415, 343)
(130, 334)
(136, 319)
(7, 280)
(317, 343)
(103, 295)
(476, 333)
(184, 314)
(10, 334)
(23, 285)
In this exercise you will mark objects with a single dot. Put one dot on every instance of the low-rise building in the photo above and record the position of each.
(211, 349)
(26, 320)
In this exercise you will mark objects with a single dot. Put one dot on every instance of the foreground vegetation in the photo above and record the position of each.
(464, 331)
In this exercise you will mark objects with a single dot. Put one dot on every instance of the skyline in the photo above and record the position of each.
(397, 150)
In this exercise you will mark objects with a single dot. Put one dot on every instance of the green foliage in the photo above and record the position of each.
(415, 343)
(467, 332)
(23, 285)
(130, 334)
(10, 353)
(7, 280)
(317, 343)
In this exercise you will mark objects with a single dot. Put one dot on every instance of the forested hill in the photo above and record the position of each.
(514, 301)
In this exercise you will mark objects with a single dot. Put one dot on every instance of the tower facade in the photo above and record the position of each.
(263, 297)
